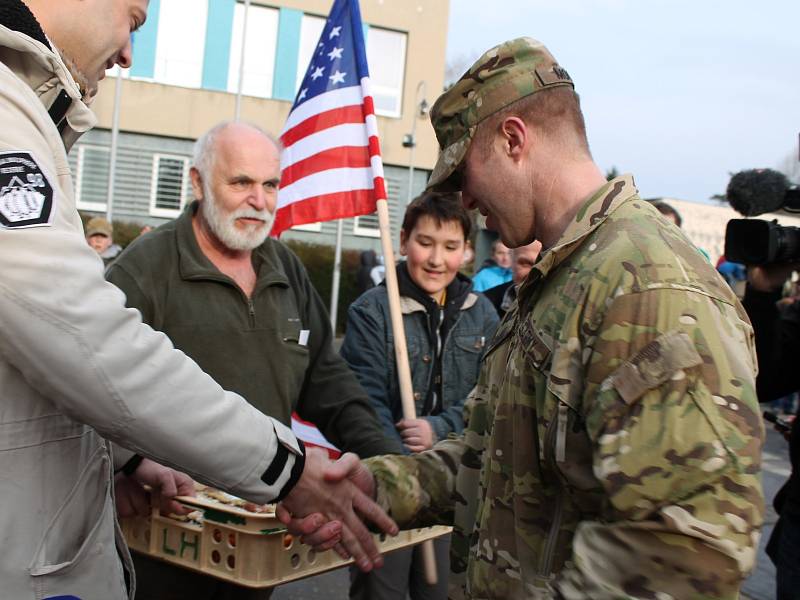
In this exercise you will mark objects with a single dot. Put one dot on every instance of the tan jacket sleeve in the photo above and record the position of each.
(68, 332)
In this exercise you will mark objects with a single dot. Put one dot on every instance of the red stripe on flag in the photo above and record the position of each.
(369, 106)
(340, 157)
(374, 146)
(325, 207)
(324, 120)
(380, 189)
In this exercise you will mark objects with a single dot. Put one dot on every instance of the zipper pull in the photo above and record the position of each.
(561, 433)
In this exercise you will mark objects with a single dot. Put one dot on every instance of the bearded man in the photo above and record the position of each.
(242, 306)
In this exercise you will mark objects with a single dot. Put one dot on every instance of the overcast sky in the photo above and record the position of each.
(680, 93)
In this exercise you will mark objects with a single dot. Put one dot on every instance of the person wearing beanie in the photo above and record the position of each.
(100, 236)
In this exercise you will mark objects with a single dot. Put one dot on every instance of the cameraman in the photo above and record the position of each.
(778, 346)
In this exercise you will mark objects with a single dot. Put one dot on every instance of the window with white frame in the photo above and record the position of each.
(260, 42)
(91, 178)
(386, 54)
(169, 186)
(366, 225)
(316, 227)
(180, 42)
(311, 28)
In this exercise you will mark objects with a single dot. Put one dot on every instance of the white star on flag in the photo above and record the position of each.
(335, 53)
(317, 73)
(337, 77)
(334, 32)
(302, 95)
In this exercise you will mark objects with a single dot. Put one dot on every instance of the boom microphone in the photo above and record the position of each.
(758, 191)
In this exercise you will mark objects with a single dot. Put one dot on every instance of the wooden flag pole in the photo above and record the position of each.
(401, 354)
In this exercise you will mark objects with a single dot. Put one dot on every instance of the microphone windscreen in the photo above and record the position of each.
(757, 191)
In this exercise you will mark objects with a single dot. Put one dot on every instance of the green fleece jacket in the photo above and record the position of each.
(275, 348)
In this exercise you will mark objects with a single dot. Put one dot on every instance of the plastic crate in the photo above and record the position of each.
(249, 549)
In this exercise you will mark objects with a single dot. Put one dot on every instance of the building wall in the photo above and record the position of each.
(137, 183)
(186, 70)
(148, 106)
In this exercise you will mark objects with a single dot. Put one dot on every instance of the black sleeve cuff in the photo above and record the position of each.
(129, 468)
(270, 476)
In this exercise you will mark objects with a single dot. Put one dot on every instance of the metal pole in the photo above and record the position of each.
(112, 161)
(411, 161)
(238, 111)
(337, 269)
(417, 112)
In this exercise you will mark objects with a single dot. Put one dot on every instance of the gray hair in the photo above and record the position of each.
(204, 151)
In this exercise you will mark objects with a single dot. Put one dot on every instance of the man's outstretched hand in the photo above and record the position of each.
(327, 506)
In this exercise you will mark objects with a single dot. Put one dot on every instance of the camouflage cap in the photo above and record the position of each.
(504, 74)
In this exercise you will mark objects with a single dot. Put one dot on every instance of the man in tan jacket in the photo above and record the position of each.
(76, 367)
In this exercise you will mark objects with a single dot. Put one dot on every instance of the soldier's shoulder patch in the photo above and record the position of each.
(26, 196)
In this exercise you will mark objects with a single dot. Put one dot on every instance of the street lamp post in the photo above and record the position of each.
(410, 140)
(238, 108)
(112, 155)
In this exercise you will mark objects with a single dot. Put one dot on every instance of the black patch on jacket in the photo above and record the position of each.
(15, 15)
(26, 196)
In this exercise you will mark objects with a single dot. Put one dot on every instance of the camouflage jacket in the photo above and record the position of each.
(613, 442)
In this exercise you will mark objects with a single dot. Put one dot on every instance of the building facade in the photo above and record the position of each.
(184, 79)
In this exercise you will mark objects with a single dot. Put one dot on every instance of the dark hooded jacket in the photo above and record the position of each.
(445, 348)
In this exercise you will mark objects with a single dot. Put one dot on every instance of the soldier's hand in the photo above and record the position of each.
(417, 434)
(340, 492)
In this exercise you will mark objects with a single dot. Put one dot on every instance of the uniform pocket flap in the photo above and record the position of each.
(654, 364)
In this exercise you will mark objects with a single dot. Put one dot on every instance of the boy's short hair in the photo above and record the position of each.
(442, 207)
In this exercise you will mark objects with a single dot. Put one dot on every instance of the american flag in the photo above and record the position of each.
(331, 165)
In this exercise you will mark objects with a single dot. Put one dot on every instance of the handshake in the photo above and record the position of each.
(330, 505)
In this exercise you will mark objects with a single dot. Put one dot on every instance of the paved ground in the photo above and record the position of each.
(760, 586)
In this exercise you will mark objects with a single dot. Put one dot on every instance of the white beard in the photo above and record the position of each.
(223, 225)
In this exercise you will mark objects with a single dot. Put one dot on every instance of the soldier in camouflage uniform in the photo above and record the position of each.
(612, 447)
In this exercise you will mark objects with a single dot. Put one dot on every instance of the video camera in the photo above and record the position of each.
(754, 241)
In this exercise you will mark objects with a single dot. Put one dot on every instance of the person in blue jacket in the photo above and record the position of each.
(496, 270)
(447, 326)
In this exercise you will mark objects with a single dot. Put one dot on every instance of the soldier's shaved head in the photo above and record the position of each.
(555, 113)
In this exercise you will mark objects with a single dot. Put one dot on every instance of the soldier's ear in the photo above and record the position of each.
(197, 183)
(516, 137)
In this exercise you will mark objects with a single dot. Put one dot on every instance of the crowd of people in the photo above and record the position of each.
(587, 404)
